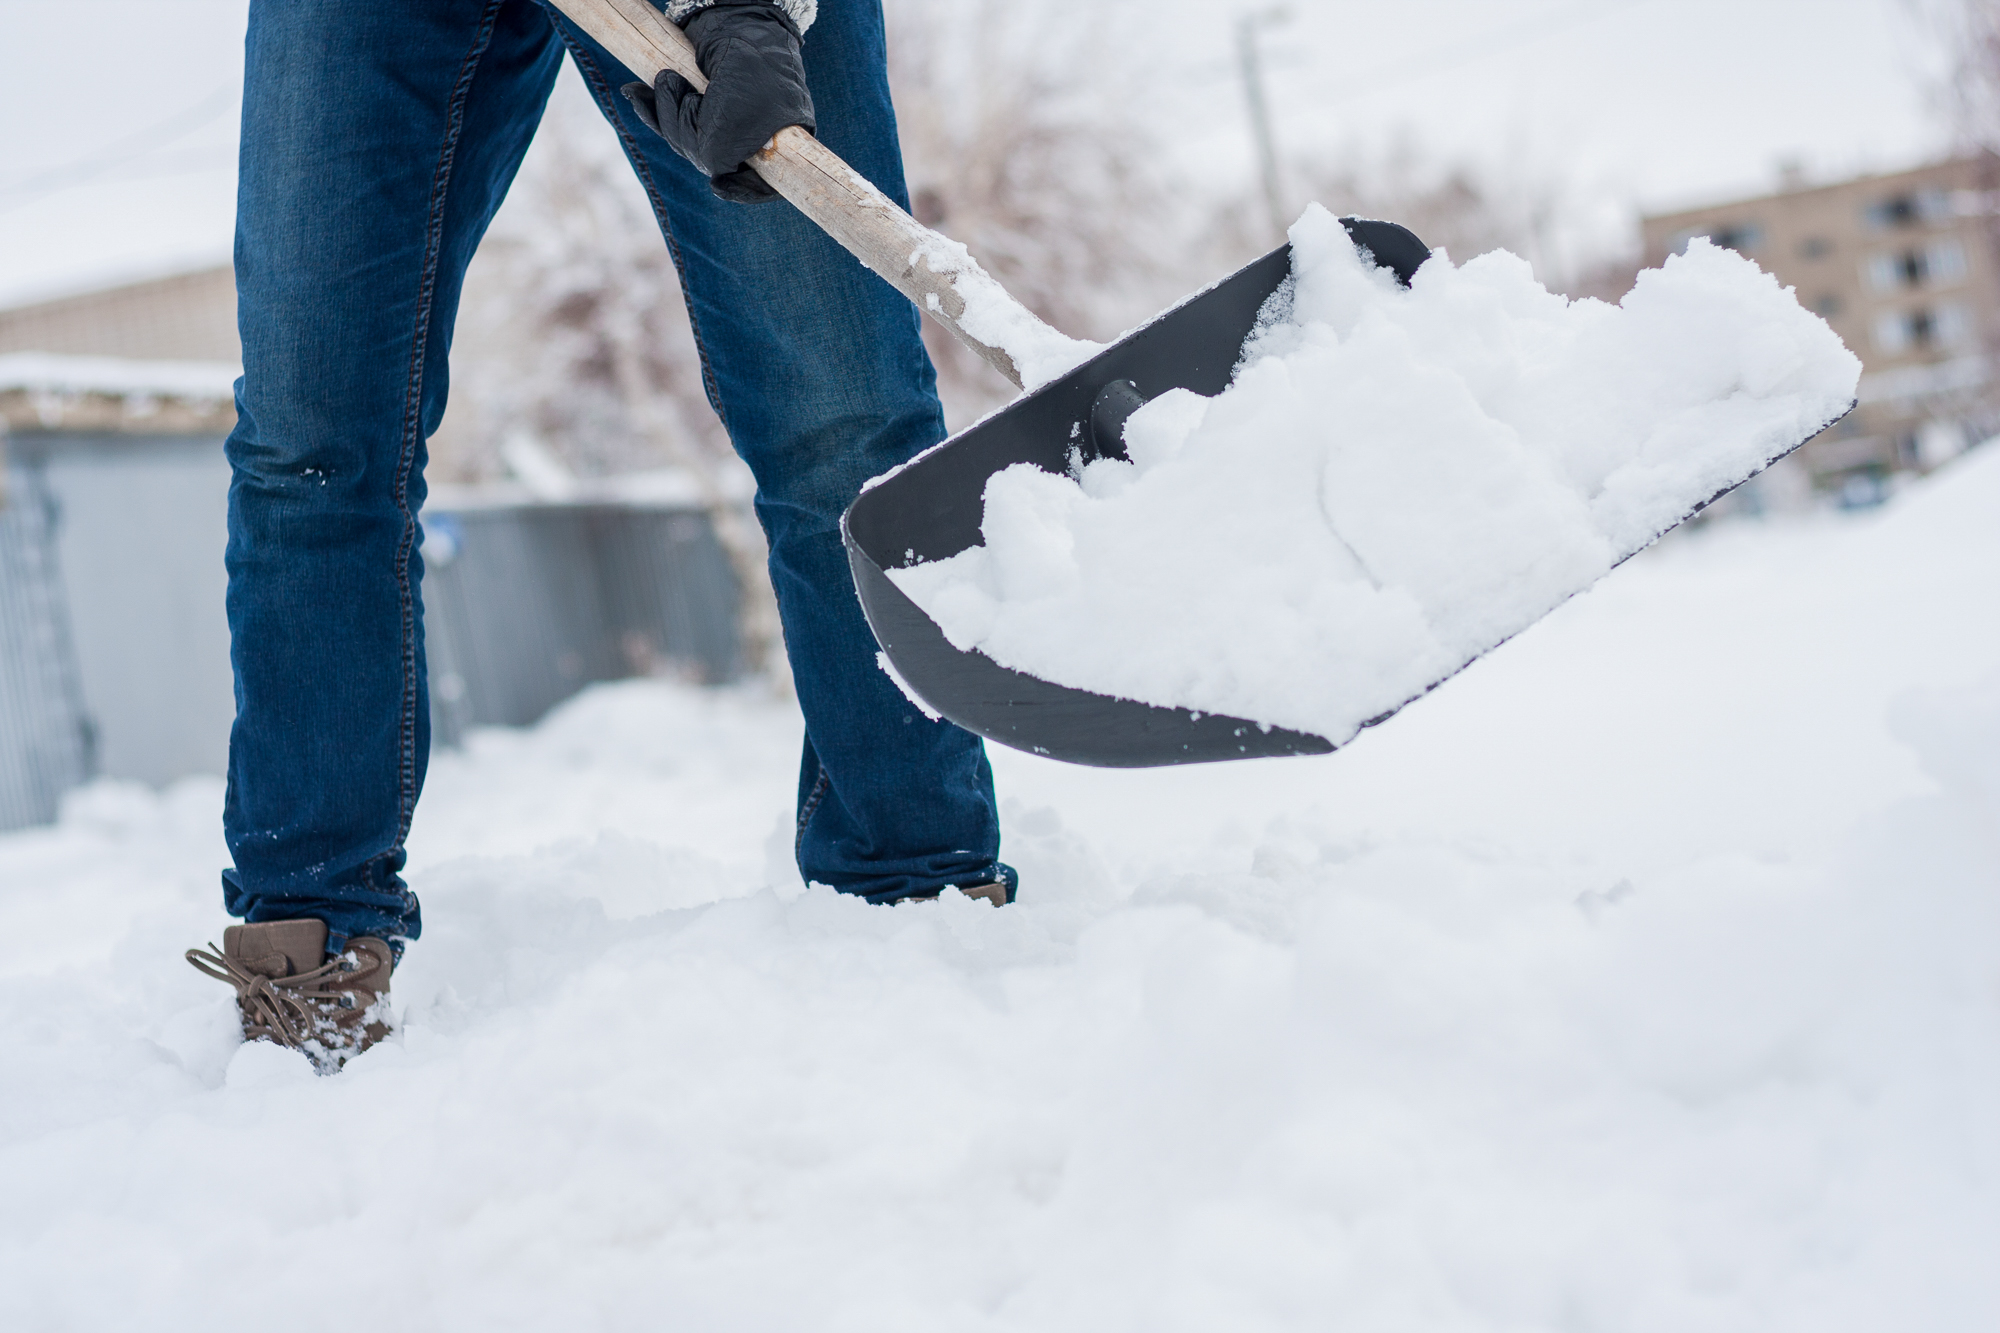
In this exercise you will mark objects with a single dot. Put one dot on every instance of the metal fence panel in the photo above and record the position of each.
(524, 605)
(672, 599)
(143, 524)
(45, 734)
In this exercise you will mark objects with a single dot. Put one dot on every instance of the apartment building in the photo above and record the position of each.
(1903, 266)
(185, 317)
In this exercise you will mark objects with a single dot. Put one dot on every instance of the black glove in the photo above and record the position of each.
(749, 49)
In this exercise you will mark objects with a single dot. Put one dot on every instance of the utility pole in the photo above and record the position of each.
(1250, 64)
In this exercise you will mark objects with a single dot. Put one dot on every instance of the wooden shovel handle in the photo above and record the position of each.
(932, 270)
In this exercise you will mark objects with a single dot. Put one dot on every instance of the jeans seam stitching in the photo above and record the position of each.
(413, 414)
(806, 809)
(600, 90)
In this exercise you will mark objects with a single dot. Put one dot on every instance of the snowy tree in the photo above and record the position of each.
(1969, 31)
(1467, 208)
(1021, 140)
(576, 331)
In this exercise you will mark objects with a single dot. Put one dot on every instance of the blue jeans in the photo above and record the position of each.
(378, 139)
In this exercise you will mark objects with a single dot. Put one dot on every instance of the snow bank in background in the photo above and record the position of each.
(47, 372)
(1644, 982)
(1395, 482)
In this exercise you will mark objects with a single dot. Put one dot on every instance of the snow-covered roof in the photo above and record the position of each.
(49, 372)
(45, 391)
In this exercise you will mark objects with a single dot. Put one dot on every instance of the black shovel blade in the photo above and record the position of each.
(932, 509)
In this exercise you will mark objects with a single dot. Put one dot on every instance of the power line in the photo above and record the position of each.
(121, 152)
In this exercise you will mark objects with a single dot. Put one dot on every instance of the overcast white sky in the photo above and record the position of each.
(119, 117)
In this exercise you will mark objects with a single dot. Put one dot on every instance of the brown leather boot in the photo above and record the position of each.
(994, 893)
(288, 991)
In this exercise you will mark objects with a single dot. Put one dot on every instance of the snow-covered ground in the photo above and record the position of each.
(1643, 978)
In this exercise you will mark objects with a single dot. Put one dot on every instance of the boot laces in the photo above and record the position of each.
(285, 1007)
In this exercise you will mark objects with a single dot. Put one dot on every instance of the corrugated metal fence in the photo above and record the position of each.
(526, 604)
(46, 742)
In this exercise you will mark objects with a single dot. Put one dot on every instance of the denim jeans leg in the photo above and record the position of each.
(818, 371)
(378, 138)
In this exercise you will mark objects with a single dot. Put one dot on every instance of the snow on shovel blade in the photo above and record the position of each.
(932, 509)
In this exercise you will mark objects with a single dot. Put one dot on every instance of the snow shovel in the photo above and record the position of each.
(932, 508)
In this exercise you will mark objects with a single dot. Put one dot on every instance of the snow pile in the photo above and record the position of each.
(1642, 982)
(1394, 482)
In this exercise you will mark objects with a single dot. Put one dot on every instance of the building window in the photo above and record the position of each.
(1900, 211)
(1946, 326)
(1939, 264)
(1951, 326)
(1890, 272)
(1908, 209)
(1944, 262)
(1923, 329)
(1815, 247)
(1827, 306)
(1737, 236)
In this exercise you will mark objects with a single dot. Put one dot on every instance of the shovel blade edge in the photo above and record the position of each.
(1028, 713)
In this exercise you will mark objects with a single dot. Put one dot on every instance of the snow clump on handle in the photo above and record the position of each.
(1395, 481)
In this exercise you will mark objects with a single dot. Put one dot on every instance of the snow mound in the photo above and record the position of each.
(1395, 481)
(1644, 983)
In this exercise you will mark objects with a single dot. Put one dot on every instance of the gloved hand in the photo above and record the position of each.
(749, 49)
